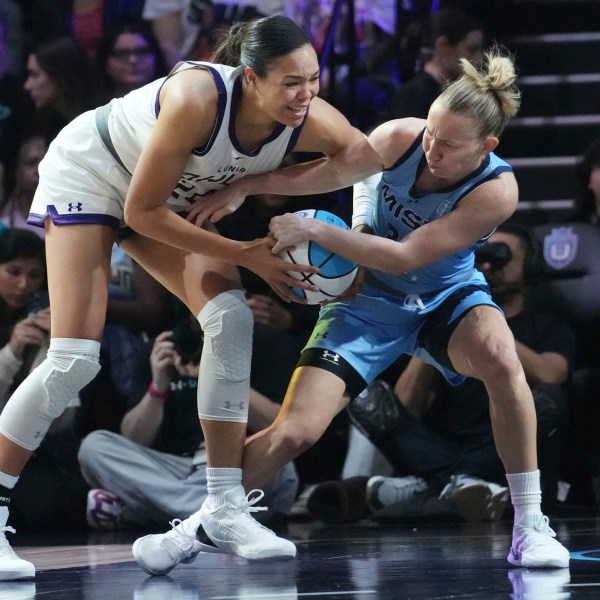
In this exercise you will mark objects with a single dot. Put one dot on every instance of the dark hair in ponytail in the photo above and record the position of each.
(257, 44)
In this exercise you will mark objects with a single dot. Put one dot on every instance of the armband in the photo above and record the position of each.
(155, 393)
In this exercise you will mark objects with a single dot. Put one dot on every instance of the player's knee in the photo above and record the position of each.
(293, 437)
(227, 324)
(497, 362)
(62, 376)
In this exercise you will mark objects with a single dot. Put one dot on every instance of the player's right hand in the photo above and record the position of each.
(217, 205)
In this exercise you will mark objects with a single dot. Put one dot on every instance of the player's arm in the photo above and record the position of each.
(476, 216)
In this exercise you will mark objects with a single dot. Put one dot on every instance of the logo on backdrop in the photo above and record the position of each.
(560, 247)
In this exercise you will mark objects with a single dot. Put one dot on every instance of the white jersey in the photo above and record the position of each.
(85, 175)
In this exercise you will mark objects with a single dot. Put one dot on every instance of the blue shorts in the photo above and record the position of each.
(357, 340)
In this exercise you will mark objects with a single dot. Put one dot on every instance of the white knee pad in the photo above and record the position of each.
(69, 366)
(224, 378)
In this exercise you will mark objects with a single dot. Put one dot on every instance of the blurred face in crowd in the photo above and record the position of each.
(594, 186)
(470, 47)
(19, 279)
(31, 153)
(41, 86)
(131, 63)
(507, 281)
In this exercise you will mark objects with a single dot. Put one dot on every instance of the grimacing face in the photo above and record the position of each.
(452, 144)
(291, 83)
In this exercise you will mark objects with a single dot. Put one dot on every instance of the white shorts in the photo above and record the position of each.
(80, 181)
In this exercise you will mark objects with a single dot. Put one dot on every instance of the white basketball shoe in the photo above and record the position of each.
(233, 530)
(11, 566)
(159, 553)
(534, 546)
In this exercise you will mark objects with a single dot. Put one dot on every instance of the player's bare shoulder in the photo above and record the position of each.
(189, 98)
(392, 139)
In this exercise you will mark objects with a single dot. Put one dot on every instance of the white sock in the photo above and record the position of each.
(221, 480)
(525, 493)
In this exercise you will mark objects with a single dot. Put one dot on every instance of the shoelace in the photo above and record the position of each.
(178, 538)
(247, 504)
(543, 526)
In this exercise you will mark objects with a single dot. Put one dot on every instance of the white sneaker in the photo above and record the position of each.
(158, 553)
(11, 566)
(533, 544)
(104, 511)
(233, 530)
(385, 491)
(476, 499)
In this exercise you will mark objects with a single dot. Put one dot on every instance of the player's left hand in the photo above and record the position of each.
(288, 230)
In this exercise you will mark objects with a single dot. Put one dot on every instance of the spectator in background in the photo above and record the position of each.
(128, 57)
(448, 35)
(22, 275)
(83, 20)
(16, 111)
(178, 25)
(155, 468)
(587, 199)
(14, 211)
(61, 82)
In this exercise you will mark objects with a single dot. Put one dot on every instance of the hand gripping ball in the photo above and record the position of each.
(336, 273)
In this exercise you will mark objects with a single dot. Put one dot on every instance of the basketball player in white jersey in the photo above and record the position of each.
(442, 192)
(125, 171)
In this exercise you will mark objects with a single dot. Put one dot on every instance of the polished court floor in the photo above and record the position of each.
(348, 562)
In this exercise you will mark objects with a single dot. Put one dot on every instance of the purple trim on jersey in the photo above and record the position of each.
(221, 105)
(296, 134)
(235, 97)
(37, 220)
(221, 101)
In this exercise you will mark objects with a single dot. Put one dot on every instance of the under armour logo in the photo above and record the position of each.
(228, 405)
(330, 356)
(413, 301)
(77, 207)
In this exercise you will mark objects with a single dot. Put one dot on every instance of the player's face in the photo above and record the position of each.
(452, 143)
(289, 87)
(42, 88)
(19, 278)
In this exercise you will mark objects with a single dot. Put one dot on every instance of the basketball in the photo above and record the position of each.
(336, 273)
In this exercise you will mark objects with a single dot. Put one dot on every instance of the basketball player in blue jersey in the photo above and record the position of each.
(442, 192)
(140, 161)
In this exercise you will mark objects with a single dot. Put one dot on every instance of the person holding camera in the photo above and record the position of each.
(439, 437)
(156, 467)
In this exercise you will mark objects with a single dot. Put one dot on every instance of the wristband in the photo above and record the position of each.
(155, 393)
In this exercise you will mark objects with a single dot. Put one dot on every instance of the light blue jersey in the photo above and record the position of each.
(415, 313)
(400, 210)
